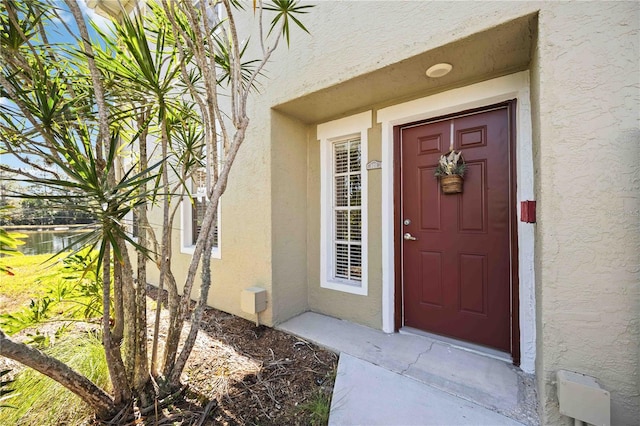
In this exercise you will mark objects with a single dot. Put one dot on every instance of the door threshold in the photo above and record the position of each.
(460, 344)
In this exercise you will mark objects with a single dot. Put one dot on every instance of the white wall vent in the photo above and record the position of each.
(583, 399)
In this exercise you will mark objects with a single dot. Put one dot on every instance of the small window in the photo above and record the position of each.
(347, 210)
(343, 226)
(193, 210)
(135, 225)
(198, 208)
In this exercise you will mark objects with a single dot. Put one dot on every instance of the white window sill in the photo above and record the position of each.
(353, 287)
(215, 252)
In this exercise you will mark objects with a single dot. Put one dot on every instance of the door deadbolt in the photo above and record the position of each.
(407, 222)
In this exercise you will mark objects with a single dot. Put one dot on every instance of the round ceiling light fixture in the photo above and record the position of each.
(439, 70)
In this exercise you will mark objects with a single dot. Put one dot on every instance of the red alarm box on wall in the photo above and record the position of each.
(528, 211)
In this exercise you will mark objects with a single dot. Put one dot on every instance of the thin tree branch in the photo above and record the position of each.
(95, 397)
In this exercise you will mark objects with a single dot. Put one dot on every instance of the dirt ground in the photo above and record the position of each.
(257, 375)
(240, 374)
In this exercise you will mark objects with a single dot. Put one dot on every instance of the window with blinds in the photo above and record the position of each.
(193, 210)
(198, 209)
(347, 210)
(343, 203)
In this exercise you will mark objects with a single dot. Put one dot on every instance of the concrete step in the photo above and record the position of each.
(366, 394)
(488, 382)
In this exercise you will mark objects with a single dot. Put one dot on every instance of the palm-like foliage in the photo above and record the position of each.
(286, 11)
(80, 119)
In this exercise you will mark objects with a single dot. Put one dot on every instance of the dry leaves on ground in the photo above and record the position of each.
(256, 375)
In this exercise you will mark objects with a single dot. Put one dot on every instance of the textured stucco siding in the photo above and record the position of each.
(585, 97)
(352, 38)
(289, 218)
(588, 188)
(245, 233)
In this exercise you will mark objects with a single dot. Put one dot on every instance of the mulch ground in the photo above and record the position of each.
(240, 374)
(255, 375)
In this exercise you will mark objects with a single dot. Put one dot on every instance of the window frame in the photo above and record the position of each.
(345, 129)
(187, 243)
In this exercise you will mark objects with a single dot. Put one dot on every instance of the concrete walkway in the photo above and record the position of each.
(402, 379)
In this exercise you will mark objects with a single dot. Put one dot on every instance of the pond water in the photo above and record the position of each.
(48, 241)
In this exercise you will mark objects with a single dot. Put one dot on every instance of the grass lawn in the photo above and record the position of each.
(33, 276)
(257, 375)
(37, 399)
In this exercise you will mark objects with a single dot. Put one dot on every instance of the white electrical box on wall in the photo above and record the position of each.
(253, 300)
(582, 398)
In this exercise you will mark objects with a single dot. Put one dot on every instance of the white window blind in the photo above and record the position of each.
(199, 207)
(343, 195)
(194, 208)
(347, 210)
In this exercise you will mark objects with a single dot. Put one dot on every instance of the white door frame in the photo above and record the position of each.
(514, 86)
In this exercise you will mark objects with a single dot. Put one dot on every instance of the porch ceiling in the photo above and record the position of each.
(500, 50)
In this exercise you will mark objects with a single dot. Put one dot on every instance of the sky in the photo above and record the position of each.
(61, 35)
(101, 22)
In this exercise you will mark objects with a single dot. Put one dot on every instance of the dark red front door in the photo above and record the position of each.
(457, 272)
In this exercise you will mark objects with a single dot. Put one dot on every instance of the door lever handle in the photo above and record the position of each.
(410, 237)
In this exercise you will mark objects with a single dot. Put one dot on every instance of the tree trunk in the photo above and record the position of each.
(129, 318)
(142, 366)
(112, 339)
(197, 314)
(95, 397)
(175, 320)
(175, 325)
(135, 322)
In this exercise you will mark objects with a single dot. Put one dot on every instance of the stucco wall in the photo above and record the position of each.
(244, 233)
(535, 137)
(289, 218)
(351, 38)
(585, 108)
(588, 190)
(363, 309)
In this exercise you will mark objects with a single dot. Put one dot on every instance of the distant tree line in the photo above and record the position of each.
(40, 212)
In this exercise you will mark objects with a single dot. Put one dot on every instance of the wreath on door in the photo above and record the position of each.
(450, 172)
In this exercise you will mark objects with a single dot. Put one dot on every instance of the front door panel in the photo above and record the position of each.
(456, 273)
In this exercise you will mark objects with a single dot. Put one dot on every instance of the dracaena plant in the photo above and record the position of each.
(171, 80)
